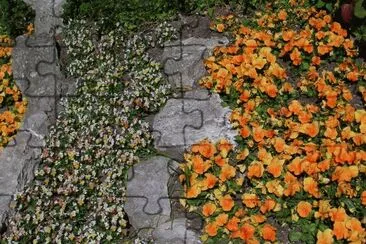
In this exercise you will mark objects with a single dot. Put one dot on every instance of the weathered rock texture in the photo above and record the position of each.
(148, 204)
(36, 73)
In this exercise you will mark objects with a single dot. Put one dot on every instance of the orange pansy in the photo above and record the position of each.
(232, 224)
(205, 148)
(245, 232)
(210, 180)
(226, 202)
(208, 209)
(363, 198)
(221, 219)
(325, 237)
(227, 172)
(250, 200)
(211, 229)
(295, 56)
(199, 166)
(303, 209)
(269, 232)
(311, 187)
(267, 206)
(255, 169)
(340, 231)
(275, 167)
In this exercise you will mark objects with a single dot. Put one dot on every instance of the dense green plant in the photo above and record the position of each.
(132, 13)
(15, 15)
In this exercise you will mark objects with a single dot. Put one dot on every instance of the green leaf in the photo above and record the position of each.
(295, 236)
(360, 11)
(320, 4)
(329, 7)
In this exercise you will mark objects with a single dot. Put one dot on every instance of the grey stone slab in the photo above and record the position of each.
(4, 203)
(175, 232)
(184, 65)
(178, 127)
(148, 203)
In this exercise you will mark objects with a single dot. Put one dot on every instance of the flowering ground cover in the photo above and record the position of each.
(78, 193)
(12, 103)
(297, 91)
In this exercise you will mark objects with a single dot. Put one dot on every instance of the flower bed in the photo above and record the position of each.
(301, 156)
(78, 193)
(12, 103)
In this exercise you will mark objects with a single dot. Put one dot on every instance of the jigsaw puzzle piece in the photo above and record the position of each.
(169, 126)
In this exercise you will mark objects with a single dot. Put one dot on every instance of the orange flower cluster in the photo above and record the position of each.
(207, 167)
(288, 147)
(12, 104)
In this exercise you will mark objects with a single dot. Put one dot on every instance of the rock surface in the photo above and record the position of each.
(184, 122)
(39, 78)
(148, 203)
(175, 231)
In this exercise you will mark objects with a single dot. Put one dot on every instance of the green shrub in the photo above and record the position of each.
(15, 15)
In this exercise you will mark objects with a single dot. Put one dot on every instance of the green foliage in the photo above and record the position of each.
(360, 9)
(133, 13)
(15, 15)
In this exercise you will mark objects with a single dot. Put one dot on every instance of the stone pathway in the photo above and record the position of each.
(38, 76)
(183, 121)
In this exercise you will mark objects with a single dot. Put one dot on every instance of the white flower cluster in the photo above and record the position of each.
(79, 189)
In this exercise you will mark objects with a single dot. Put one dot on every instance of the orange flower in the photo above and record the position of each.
(232, 224)
(245, 131)
(363, 198)
(227, 172)
(292, 185)
(199, 166)
(221, 219)
(296, 166)
(205, 148)
(323, 48)
(340, 231)
(282, 15)
(311, 129)
(220, 161)
(331, 133)
(210, 180)
(338, 214)
(224, 147)
(258, 133)
(267, 206)
(295, 56)
(275, 167)
(258, 218)
(208, 209)
(220, 27)
(250, 200)
(211, 229)
(255, 169)
(295, 107)
(271, 90)
(226, 202)
(324, 165)
(311, 187)
(352, 76)
(245, 232)
(269, 232)
(288, 35)
(345, 174)
(193, 191)
(315, 60)
(275, 187)
(325, 237)
(324, 209)
(303, 209)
